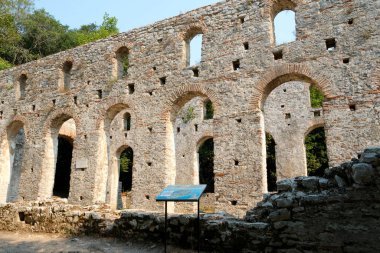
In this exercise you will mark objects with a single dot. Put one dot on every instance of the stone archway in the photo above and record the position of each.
(12, 151)
(59, 126)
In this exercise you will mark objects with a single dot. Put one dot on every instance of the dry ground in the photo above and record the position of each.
(14, 242)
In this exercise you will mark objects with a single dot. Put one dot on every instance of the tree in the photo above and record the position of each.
(92, 32)
(27, 34)
(16, 8)
(43, 35)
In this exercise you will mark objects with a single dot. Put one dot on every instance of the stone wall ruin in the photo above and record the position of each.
(336, 49)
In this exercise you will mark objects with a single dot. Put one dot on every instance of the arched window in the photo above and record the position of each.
(22, 86)
(208, 109)
(206, 165)
(194, 50)
(271, 163)
(127, 121)
(122, 62)
(67, 67)
(283, 22)
(285, 27)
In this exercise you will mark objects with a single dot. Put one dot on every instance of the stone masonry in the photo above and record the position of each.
(336, 50)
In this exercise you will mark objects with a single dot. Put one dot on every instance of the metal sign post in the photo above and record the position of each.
(181, 193)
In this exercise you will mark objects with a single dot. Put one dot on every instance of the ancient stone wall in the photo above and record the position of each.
(339, 213)
(237, 72)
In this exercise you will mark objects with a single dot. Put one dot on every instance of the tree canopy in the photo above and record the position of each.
(27, 34)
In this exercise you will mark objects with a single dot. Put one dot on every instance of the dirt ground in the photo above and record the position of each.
(14, 242)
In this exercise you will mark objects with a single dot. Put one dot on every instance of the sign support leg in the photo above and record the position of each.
(199, 230)
(166, 223)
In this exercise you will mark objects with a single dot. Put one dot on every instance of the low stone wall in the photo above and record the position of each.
(339, 213)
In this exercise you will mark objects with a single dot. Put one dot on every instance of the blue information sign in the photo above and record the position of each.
(182, 193)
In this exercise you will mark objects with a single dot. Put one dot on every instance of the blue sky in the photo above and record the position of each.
(130, 14)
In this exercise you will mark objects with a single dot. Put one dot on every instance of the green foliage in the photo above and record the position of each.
(126, 163)
(316, 97)
(43, 35)
(27, 34)
(189, 115)
(316, 152)
(209, 114)
(125, 61)
(271, 162)
(4, 64)
(206, 164)
(92, 32)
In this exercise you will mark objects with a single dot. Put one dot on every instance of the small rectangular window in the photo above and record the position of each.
(100, 94)
(288, 115)
(163, 80)
(346, 60)
(131, 88)
(246, 45)
(317, 114)
(236, 65)
(277, 55)
(195, 72)
(352, 107)
(330, 44)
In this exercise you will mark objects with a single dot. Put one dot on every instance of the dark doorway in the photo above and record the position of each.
(271, 163)
(206, 165)
(63, 168)
(126, 164)
(316, 152)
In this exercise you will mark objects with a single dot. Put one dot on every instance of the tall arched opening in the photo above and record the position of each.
(59, 148)
(61, 186)
(125, 178)
(12, 152)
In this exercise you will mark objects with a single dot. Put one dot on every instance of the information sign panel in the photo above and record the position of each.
(182, 193)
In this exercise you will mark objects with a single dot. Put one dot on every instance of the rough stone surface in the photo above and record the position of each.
(363, 173)
(96, 97)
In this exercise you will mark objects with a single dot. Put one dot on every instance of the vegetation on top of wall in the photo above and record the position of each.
(27, 34)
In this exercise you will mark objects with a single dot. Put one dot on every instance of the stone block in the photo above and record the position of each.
(363, 173)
